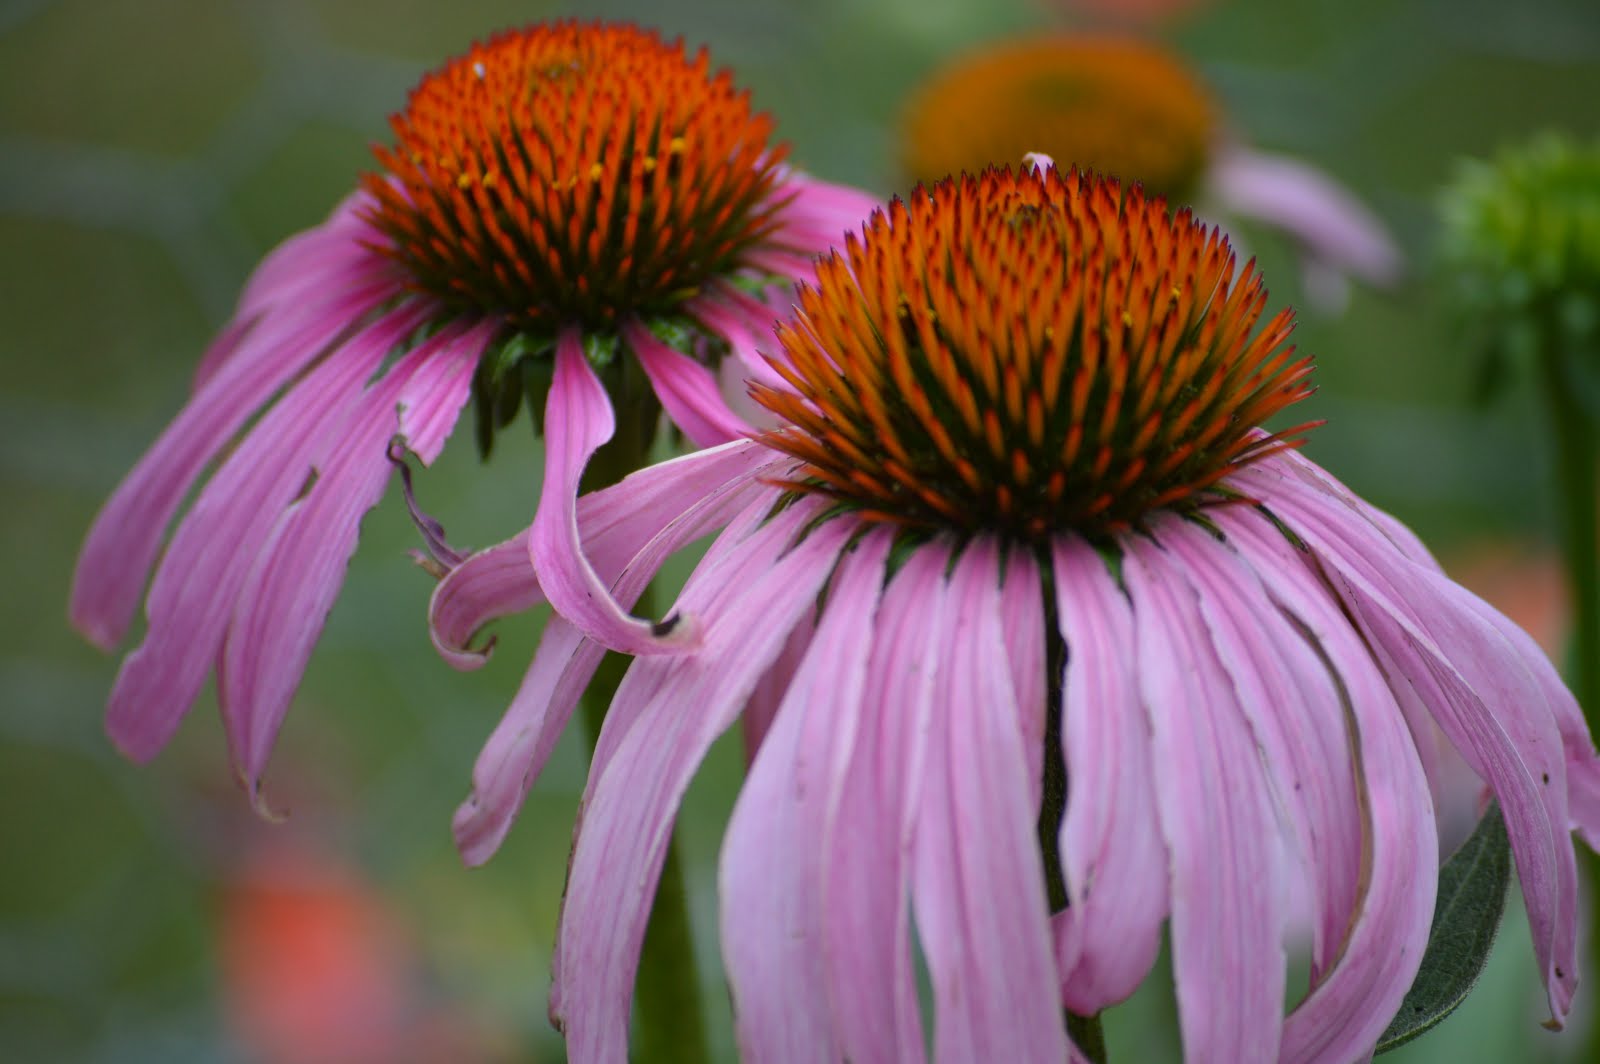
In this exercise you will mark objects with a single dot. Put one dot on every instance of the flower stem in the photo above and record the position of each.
(1574, 439)
(669, 1026)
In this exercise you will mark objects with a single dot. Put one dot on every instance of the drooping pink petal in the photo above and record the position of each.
(127, 533)
(977, 880)
(865, 909)
(1475, 685)
(688, 391)
(1332, 226)
(215, 547)
(1214, 806)
(1583, 766)
(1022, 622)
(521, 743)
(616, 523)
(565, 661)
(1348, 1007)
(770, 886)
(1112, 854)
(1294, 708)
(688, 700)
(286, 598)
(437, 389)
(770, 689)
(746, 324)
(820, 213)
(578, 419)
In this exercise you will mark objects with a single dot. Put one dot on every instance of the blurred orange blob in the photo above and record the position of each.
(317, 967)
(1521, 581)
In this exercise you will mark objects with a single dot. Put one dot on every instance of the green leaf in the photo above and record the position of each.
(1472, 897)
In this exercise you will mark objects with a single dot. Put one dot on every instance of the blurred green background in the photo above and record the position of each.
(152, 150)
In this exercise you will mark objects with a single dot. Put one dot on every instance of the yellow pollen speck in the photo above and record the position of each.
(463, 180)
(649, 165)
(491, 179)
(596, 172)
(677, 145)
(1127, 320)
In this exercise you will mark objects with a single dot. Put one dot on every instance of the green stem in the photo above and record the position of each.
(1574, 439)
(669, 1026)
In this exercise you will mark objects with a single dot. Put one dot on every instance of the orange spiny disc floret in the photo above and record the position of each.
(1029, 353)
(574, 171)
(1112, 105)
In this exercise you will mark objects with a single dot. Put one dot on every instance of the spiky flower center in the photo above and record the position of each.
(1024, 353)
(574, 172)
(1113, 105)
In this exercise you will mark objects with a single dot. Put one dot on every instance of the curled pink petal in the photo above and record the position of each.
(578, 419)
(669, 709)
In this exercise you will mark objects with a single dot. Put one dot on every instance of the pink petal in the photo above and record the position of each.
(770, 689)
(516, 751)
(688, 391)
(866, 911)
(1324, 218)
(669, 709)
(977, 881)
(127, 533)
(578, 419)
(438, 388)
(285, 601)
(1227, 865)
(1295, 710)
(1112, 854)
(744, 323)
(215, 547)
(819, 214)
(1022, 621)
(1446, 657)
(1349, 1006)
(616, 524)
(773, 856)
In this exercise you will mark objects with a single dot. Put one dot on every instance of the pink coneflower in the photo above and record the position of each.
(560, 202)
(1050, 646)
(1135, 111)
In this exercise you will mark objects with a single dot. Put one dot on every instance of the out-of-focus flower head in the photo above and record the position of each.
(1134, 110)
(1521, 249)
(565, 209)
(317, 965)
(1049, 645)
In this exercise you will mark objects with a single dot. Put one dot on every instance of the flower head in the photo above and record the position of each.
(1521, 241)
(561, 198)
(923, 608)
(1133, 110)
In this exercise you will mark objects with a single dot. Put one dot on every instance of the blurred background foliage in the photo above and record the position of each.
(152, 150)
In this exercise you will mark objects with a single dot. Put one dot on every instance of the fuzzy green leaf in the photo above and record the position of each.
(1466, 917)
